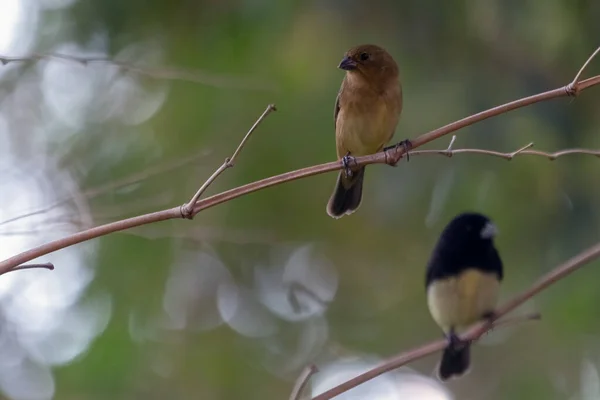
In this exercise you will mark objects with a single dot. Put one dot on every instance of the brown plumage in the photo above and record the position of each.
(367, 110)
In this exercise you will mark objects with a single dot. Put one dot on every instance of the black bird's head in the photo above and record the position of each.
(469, 231)
(466, 242)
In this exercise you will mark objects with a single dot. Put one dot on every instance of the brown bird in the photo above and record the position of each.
(367, 110)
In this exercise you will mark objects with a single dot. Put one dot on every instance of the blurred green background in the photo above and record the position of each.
(235, 303)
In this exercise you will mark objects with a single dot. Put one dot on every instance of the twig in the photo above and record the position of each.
(48, 266)
(187, 209)
(379, 158)
(302, 381)
(449, 152)
(475, 332)
(521, 150)
(449, 148)
(270, 108)
(518, 320)
(165, 73)
(573, 85)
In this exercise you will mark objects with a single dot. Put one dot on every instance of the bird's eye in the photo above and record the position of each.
(364, 56)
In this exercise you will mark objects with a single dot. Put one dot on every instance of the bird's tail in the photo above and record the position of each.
(347, 194)
(455, 361)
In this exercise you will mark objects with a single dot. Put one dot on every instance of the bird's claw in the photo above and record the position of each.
(490, 317)
(406, 143)
(347, 160)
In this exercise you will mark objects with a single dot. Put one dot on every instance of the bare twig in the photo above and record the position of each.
(187, 209)
(449, 148)
(449, 152)
(302, 381)
(48, 266)
(518, 320)
(379, 158)
(270, 108)
(164, 73)
(573, 85)
(521, 150)
(476, 331)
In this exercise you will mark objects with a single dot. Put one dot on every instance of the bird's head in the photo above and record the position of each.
(371, 62)
(470, 230)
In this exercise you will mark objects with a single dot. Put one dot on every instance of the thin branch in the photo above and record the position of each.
(517, 320)
(379, 158)
(48, 266)
(270, 108)
(449, 148)
(164, 73)
(392, 159)
(449, 152)
(521, 150)
(573, 84)
(302, 381)
(587, 83)
(475, 332)
(187, 209)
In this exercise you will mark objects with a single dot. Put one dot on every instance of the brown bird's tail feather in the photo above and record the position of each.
(347, 194)
(455, 361)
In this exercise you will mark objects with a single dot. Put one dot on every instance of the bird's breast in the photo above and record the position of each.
(459, 301)
(365, 126)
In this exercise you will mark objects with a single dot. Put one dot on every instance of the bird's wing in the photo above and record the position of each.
(336, 111)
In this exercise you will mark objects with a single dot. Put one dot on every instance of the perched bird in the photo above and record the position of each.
(463, 280)
(367, 110)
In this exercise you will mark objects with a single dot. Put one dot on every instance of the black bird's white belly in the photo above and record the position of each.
(459, 301)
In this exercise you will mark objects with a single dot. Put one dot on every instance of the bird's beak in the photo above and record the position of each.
(347, 64)
(489, 231)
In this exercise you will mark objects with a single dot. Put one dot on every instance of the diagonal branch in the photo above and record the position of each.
(187, 210)
(304, 377)
(379, 158)
(476, 331)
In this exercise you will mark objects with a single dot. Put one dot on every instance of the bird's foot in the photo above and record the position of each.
(348, 160)
(490, 317)
(393, 159)
(407, 144)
